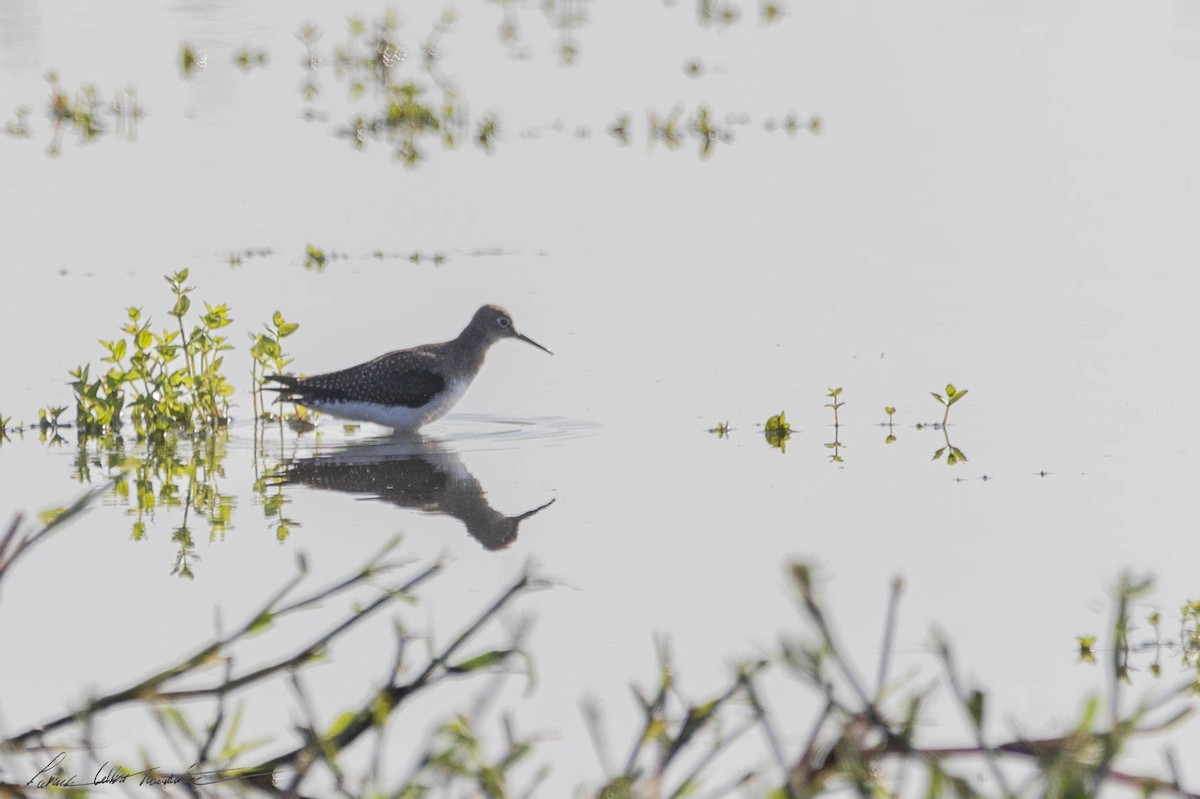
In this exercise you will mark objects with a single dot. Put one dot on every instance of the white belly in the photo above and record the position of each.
(396, 417)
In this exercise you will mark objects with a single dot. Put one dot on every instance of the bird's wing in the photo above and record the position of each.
(400, 378)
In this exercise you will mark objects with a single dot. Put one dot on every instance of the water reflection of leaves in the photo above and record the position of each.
(166, 474)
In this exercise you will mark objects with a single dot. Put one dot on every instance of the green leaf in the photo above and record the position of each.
(480, 662)
(937, 397)
(48, 516)
(277, 319)
(340, 724)
(119, 349)
(950, 390)
(975, 707)
(263, 622)
(958, 395)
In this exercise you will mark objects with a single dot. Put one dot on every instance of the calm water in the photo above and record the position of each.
(1004, 198)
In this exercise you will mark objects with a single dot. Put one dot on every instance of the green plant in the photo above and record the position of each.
(722, 429)
(777, 431)
(268, 358)
(891, 413)
(191, 60)
(833, 394)
(836, 444)
(314, 257)
(953, 395)
(173, 379)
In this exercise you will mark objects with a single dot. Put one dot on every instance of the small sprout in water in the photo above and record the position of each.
(314, 257)
(486, 133)
(722, 429)
(953, 395)
(438, 259)
(247, 59)
(190, 60)
(833, 395)
(693, 68)
(1087, 648)
(777, 431)
(235, 259)
(619, 130)
(891, 413)
(48, 417)
(770, 12)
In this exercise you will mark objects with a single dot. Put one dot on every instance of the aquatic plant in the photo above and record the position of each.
(247, 59)
(835, 445)
(314, 257)
(833, 394)
(191, 60)
(777, 431)
(173, 379)
(722, 429)
(891, 413)
(953, 395)
(268, 358)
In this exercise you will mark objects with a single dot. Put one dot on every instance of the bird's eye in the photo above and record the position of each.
(503, 321)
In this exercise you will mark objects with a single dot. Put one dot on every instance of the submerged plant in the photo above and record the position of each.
(891, 412)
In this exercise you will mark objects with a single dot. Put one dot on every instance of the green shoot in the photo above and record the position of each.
(953, 395)
(722, 429)
(267, 352)
(314, 257)
(777, 431)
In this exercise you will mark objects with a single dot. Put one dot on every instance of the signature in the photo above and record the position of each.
(52, 775)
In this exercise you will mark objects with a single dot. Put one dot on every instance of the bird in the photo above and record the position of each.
(405, 389)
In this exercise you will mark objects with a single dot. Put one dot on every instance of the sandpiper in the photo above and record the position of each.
(406, 388)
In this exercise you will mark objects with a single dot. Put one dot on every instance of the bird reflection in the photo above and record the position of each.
(411, 471)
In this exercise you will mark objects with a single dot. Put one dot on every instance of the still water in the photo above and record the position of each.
(999, 197)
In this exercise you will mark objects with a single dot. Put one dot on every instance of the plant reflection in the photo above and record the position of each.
(415, 472)
(169, 473)
(83, 113)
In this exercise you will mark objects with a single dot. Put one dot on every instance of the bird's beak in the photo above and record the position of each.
(528, 340)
